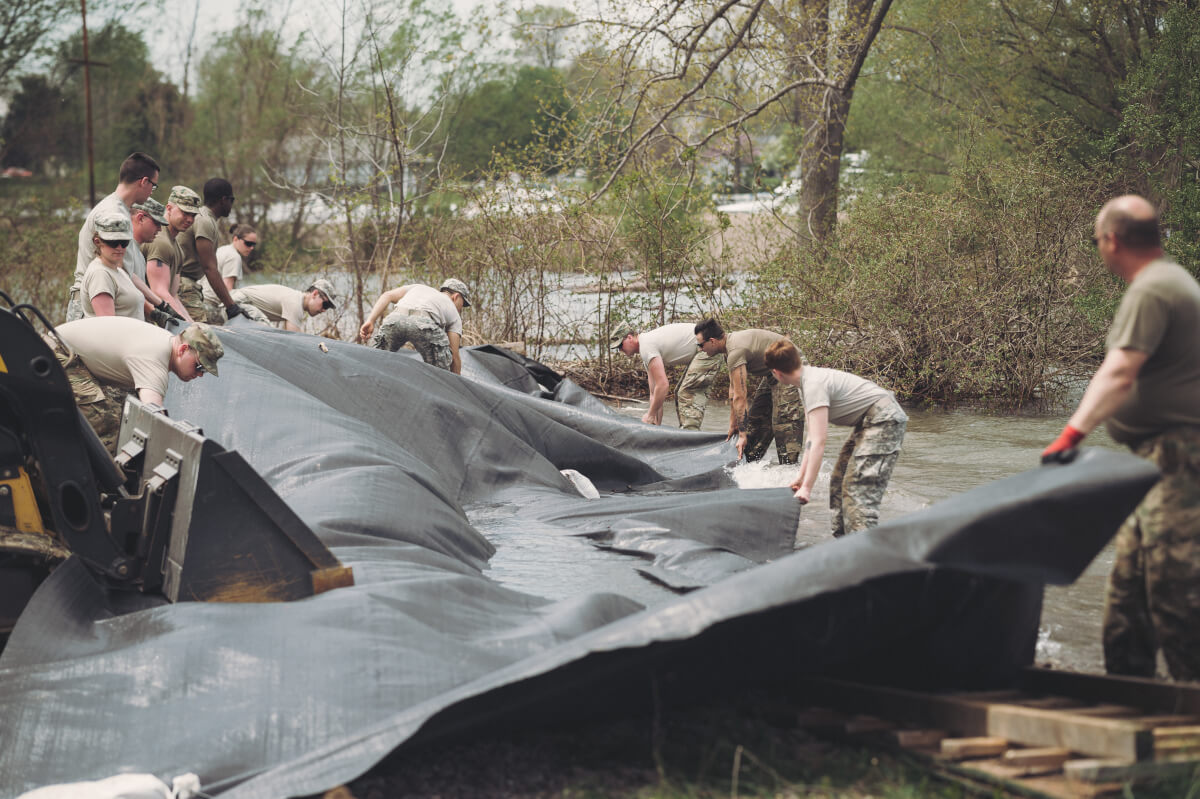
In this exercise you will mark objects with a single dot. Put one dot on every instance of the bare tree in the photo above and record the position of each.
(670, 69)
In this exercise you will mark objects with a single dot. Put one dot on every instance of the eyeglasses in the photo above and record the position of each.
(250, 244)
(117, 245)
(153, 185)
(199, 366)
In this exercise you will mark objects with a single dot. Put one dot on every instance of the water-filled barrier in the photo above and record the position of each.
(408, 473)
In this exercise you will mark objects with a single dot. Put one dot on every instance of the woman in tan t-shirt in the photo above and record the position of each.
(107, 289)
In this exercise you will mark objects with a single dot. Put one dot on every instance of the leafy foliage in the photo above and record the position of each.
(1159, 134)
(971, 293)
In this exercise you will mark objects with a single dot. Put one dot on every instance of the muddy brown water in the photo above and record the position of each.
(945, 453)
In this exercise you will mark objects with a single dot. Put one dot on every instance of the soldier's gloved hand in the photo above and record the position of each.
(1063, 450)
(232, 311)
(168, 310)
(159, 317)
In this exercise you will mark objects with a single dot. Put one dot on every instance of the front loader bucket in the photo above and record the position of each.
(216, 531)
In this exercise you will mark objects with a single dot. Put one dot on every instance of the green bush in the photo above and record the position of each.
(39, 238)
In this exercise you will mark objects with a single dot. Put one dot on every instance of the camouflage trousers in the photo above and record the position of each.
(74, 305)
(426, 336)
(191, 296)
(776, 411)
(864, 466)
(691, 395)
(216, 311)
(1153, 597)
(102, 404)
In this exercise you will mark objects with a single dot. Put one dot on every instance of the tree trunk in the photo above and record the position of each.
(820, 165)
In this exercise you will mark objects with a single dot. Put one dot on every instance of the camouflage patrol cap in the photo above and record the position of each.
(204, 341)
(153, 209)
(457, 286)
(113, 227)
(326, 289)
(617, 337)
(184, 199)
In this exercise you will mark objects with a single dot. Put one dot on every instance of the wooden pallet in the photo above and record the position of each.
(1057, 734)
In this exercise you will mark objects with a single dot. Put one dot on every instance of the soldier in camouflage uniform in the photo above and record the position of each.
(864, 466)
(198, 244)
(775, 410)
(429, 319)
(1147, 390)
(108, 357)
(775, 413)
(663, 347)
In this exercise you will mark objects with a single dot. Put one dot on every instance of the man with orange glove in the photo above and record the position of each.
(1148, 391)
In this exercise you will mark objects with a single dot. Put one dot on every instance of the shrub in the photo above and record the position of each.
(985, 291)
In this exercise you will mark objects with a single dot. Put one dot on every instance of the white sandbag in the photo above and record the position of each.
(582, 484)
(121, 786)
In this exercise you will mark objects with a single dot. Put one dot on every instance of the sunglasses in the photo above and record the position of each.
(250, 244)
(326, 305)
(117, 245)
(199, 366)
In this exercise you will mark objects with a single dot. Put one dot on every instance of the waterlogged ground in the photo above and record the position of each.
(944, 453)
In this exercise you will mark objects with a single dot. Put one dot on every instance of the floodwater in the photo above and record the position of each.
(945, 453)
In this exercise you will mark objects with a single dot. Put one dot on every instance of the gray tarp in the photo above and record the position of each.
(405, 471)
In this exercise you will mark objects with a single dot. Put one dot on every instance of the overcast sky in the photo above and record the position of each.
(168, 42)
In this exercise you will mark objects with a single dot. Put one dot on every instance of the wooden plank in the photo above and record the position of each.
(1041, 757)
(956, 716)
(1098, 737)
(1109, 711)
(1155, 696)
(966, 748)
(918, 739)
(1049, 702)
(1101, 737)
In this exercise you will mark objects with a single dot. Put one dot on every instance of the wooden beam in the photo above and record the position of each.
(966, 748)
(1154, 696)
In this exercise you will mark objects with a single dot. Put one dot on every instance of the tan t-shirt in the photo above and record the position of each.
(435, 303)
(279, 303)
(204, 227)
(164, 248)
(675, 344)
(229, 264)
(100, 279)
(748, 347)
(1160, 316)
(846, 395)
(121, 351)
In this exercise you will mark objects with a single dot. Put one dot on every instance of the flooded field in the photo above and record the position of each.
(944, 453)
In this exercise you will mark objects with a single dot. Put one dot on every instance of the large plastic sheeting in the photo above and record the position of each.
(405, 471)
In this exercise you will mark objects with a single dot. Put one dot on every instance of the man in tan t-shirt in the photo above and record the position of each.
(775, 407)
(163, 255)
(273, 303)
(199, 246)
(1148, 391)
(110, 356)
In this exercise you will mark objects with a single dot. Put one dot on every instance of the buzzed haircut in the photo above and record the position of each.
(783, 356)
(217, 189)
(710, 329)
(138, 166)
(1136, 233)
